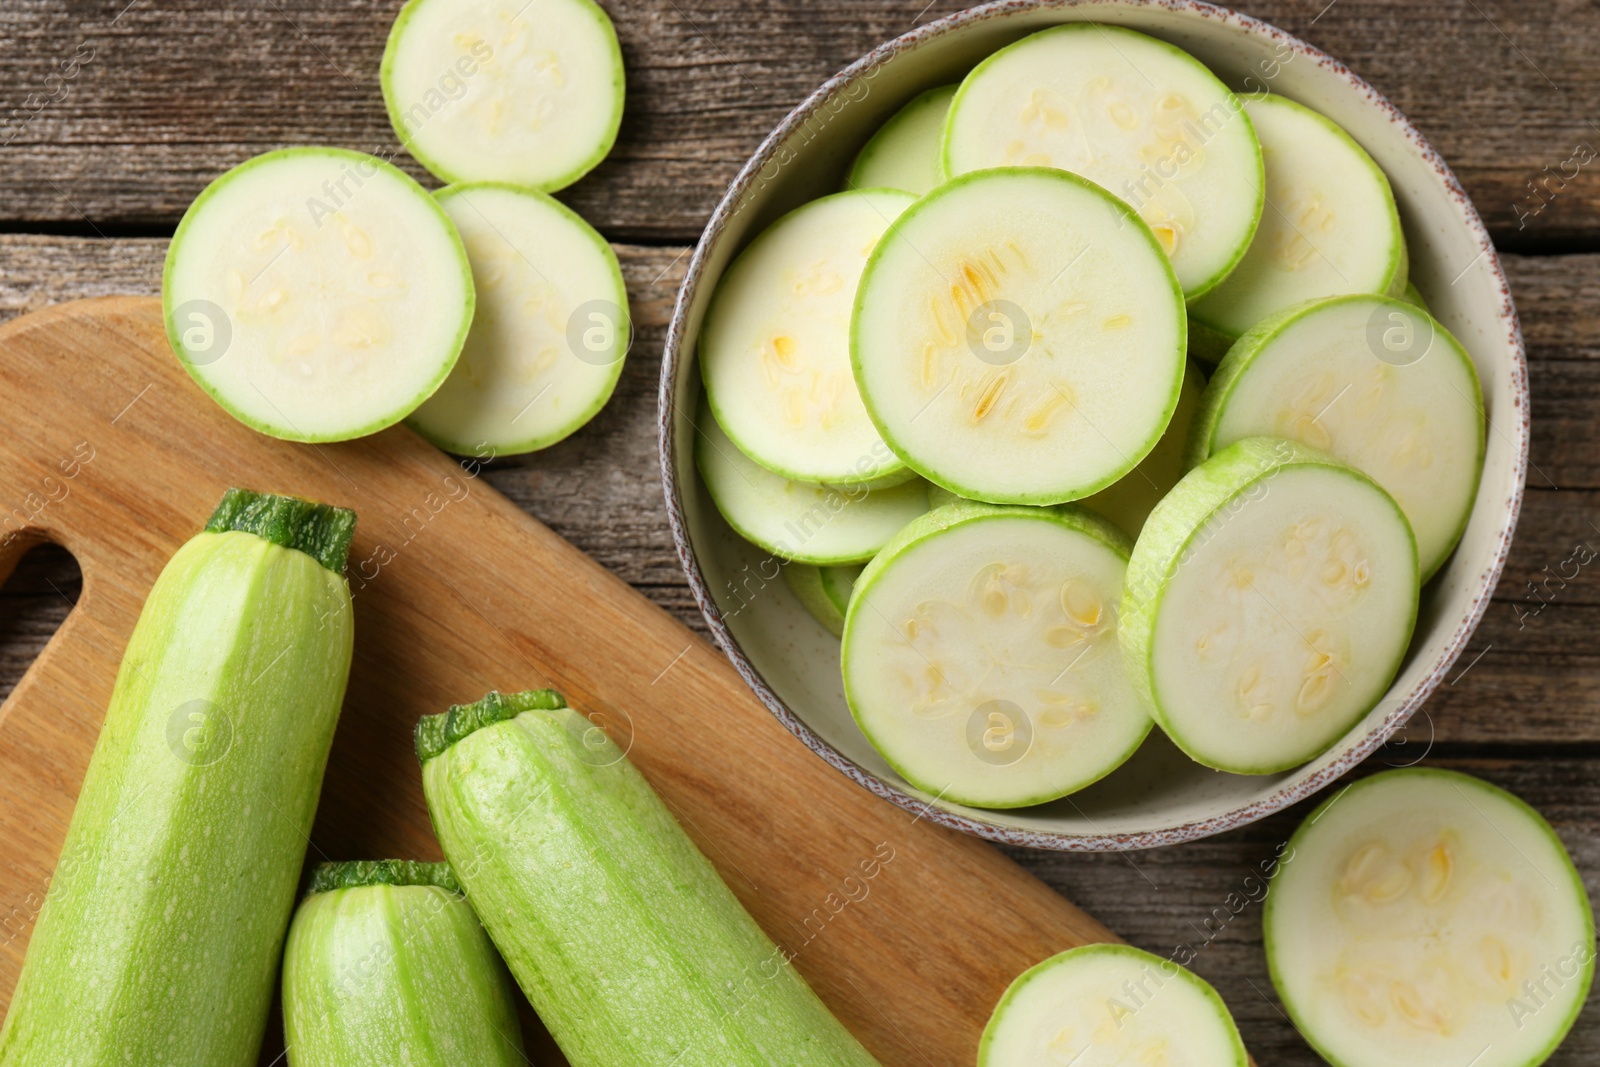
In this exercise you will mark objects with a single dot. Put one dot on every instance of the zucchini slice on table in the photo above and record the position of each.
(1270, 598)
(1425, 918)
(1101, 1005)
(618, 929)
(158, 941)
(1137, 116)
(980, 654)
(317, 294)
(521, 91)
(1019, 337)
(386, 963)
(1376, 382)
(550, 331)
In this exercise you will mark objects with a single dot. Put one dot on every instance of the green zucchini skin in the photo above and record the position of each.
(389, 965)
(159, 937)
(621, 933)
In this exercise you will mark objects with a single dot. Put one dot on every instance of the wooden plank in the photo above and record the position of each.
(1536, 681)
(120, 112)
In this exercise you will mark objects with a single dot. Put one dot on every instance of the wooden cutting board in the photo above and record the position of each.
(110, 450)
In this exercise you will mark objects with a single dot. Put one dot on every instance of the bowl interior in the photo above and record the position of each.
(1159, 796)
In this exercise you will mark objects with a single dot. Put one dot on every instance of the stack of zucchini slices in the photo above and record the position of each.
(1095, 402)
(320, 294)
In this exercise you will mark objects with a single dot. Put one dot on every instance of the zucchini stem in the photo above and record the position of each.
(354, 874)
(435, 733)
(321, 531)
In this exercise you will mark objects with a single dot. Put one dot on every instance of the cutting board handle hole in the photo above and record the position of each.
(42, 583)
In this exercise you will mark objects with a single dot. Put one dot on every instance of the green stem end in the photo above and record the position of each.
(321, 531)
(435, 733)
(357, 873)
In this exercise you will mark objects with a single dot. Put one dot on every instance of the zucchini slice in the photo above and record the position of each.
(386, 963)
(528, 92)
(1270, 599)
(823, 591)
(159, 938)
(618, 929)
(775, 350)
(980, 654)
(1136, 116)
(1375, 381)
(1110, 1004)
(1331, 226)
(904, 153)
(317, 294)
(1019, 337)
(550, 332)
(1425, 918)
(1129, 501)
(815, 524)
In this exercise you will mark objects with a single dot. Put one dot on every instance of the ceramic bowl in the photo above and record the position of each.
(1158, 797)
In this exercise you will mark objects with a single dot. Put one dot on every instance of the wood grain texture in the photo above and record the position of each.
(458, 591)
(119, 113)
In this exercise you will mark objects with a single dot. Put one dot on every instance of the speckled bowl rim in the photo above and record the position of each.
(1291, 792)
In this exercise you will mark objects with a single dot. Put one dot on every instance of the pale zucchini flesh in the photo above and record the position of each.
(775, 349)
(1425, 918)
(1270, 599)
(1129, 501)
(1019, 337)
(159, 937)
(522, 91)
(1331, 226)
(1137, 116)
(904, 153)
(1375, 382)
(1107, 1006)
(980, 654)
(799, 521)
(317, 294)
(550, 331)
(386, 963)
(621, 933)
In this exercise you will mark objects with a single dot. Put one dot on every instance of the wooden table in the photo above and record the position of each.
(119, 113)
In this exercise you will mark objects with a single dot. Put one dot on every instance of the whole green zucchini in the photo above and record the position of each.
(618, 929)
(158, 940)
(387, 964)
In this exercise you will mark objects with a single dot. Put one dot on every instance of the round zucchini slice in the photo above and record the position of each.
(904, 153)
(1270, 599)
(1110, 1004)
(486, 91)
(317, 294)
(550, 332)
(1019, 337)
(1130, 500)
(816, 524)
(775, 349)
(1330, 228)
(1375, 381)
(1135, 115)
(1425, 918)
(823, 591)
(980, 654)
